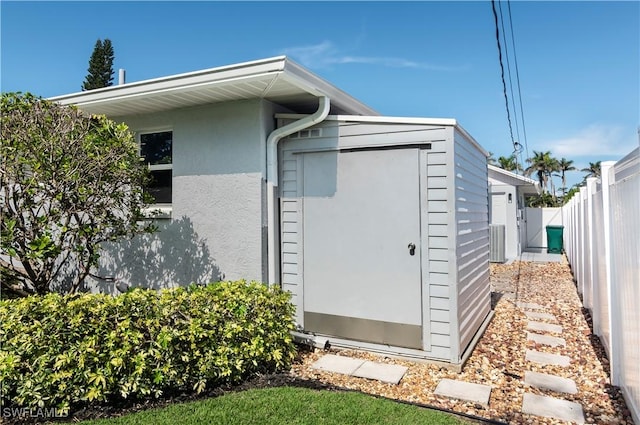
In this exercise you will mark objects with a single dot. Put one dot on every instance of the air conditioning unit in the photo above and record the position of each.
(496, 243)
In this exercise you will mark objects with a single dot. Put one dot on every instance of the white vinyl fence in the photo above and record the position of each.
(601, 239)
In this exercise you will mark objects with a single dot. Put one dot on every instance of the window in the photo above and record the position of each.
(156, 151)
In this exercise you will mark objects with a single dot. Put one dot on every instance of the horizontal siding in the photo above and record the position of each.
(438, 237)
(289, 231)
(472, 238)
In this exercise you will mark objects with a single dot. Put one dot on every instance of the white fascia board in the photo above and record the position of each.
(180, 82)
(378, 119)
(514, 179)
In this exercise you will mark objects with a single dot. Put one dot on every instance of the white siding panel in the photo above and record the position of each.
(437, 171)
(472, 242)
(438, 254)
(437, 194)
(438, 242)
(438, 218)
(440, 315)
(438, 279)
(442, 328)
(437, 158)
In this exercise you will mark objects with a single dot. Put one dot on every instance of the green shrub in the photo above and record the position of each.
(64, 351)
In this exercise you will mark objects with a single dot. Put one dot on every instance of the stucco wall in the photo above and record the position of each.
(218, 185)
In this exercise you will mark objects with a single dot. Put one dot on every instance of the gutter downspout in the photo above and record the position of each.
(324, 104)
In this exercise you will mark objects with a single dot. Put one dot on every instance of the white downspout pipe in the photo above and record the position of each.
(272, 177)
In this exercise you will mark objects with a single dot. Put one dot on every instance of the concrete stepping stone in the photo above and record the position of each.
(337, 364)
(544, 327)
(538, 315)
(547, 358)
(552, 341)
(531, 306)
(550, 407)
(389, 373)
(361, 368)
(550, 382)
(467, 391)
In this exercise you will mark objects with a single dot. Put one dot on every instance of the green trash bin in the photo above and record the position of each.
(554, 239)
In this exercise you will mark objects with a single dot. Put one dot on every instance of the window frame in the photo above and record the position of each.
(160, 209)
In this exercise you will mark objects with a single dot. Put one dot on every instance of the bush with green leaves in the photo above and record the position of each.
(65, 351)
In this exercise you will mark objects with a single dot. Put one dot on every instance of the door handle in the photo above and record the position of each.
(412, 248)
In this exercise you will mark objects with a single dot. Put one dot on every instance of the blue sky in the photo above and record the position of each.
(578, 62)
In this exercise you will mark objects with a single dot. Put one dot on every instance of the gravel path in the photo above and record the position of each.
(499, 358)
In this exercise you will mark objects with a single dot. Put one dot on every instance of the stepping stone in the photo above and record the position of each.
(550, 407)
(360, 368)
(552, 341)
(338, 364)
(544, 327)
(547, 359)
(550, 382)
(389, 373)
(536, 315)
(466, 391)
(531, 306)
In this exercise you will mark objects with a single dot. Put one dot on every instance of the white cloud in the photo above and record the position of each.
(596, 140)
(326, 54)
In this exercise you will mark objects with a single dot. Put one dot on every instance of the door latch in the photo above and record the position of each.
(412, 249)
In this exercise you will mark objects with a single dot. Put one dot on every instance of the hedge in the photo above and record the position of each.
(65, 351)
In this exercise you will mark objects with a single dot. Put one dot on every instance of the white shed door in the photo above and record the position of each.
(361, 245)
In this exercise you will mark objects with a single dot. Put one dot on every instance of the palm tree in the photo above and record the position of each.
(564, 165)
(509, 163)
(491, 160)
(593, 170)
(541, 163)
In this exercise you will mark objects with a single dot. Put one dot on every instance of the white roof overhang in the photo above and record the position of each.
(277, 79)
(507, 177)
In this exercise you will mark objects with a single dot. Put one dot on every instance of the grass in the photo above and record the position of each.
(290, 406)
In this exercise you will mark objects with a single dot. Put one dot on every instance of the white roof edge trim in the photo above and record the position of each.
(379, 119)
(228, 72)
(512, 175)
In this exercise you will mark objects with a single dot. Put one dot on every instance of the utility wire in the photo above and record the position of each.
(504, 84)
(515, 60)
(506, 56)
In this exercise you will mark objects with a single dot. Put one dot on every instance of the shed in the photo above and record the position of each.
(384, 233)
(377, 225)
(508, 212)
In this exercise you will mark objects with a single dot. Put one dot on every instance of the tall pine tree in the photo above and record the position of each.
(100, 66)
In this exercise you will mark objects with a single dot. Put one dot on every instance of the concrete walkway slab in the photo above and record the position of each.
(544, 327)
(530, 306)
(360, 368)
(550, 407)
(552, 341)
(389, 373)
(550, 382)
(467, 391)
(540, 256)
(337, 364)
(540, 315)
(547, 359)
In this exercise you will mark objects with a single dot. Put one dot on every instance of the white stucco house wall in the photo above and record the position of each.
(378, 226)
(508, 192)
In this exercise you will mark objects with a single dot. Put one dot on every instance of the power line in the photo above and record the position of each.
(515, 60)
(504, 84)
(506, 55)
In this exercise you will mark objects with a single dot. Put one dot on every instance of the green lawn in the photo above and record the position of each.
(288, 406)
